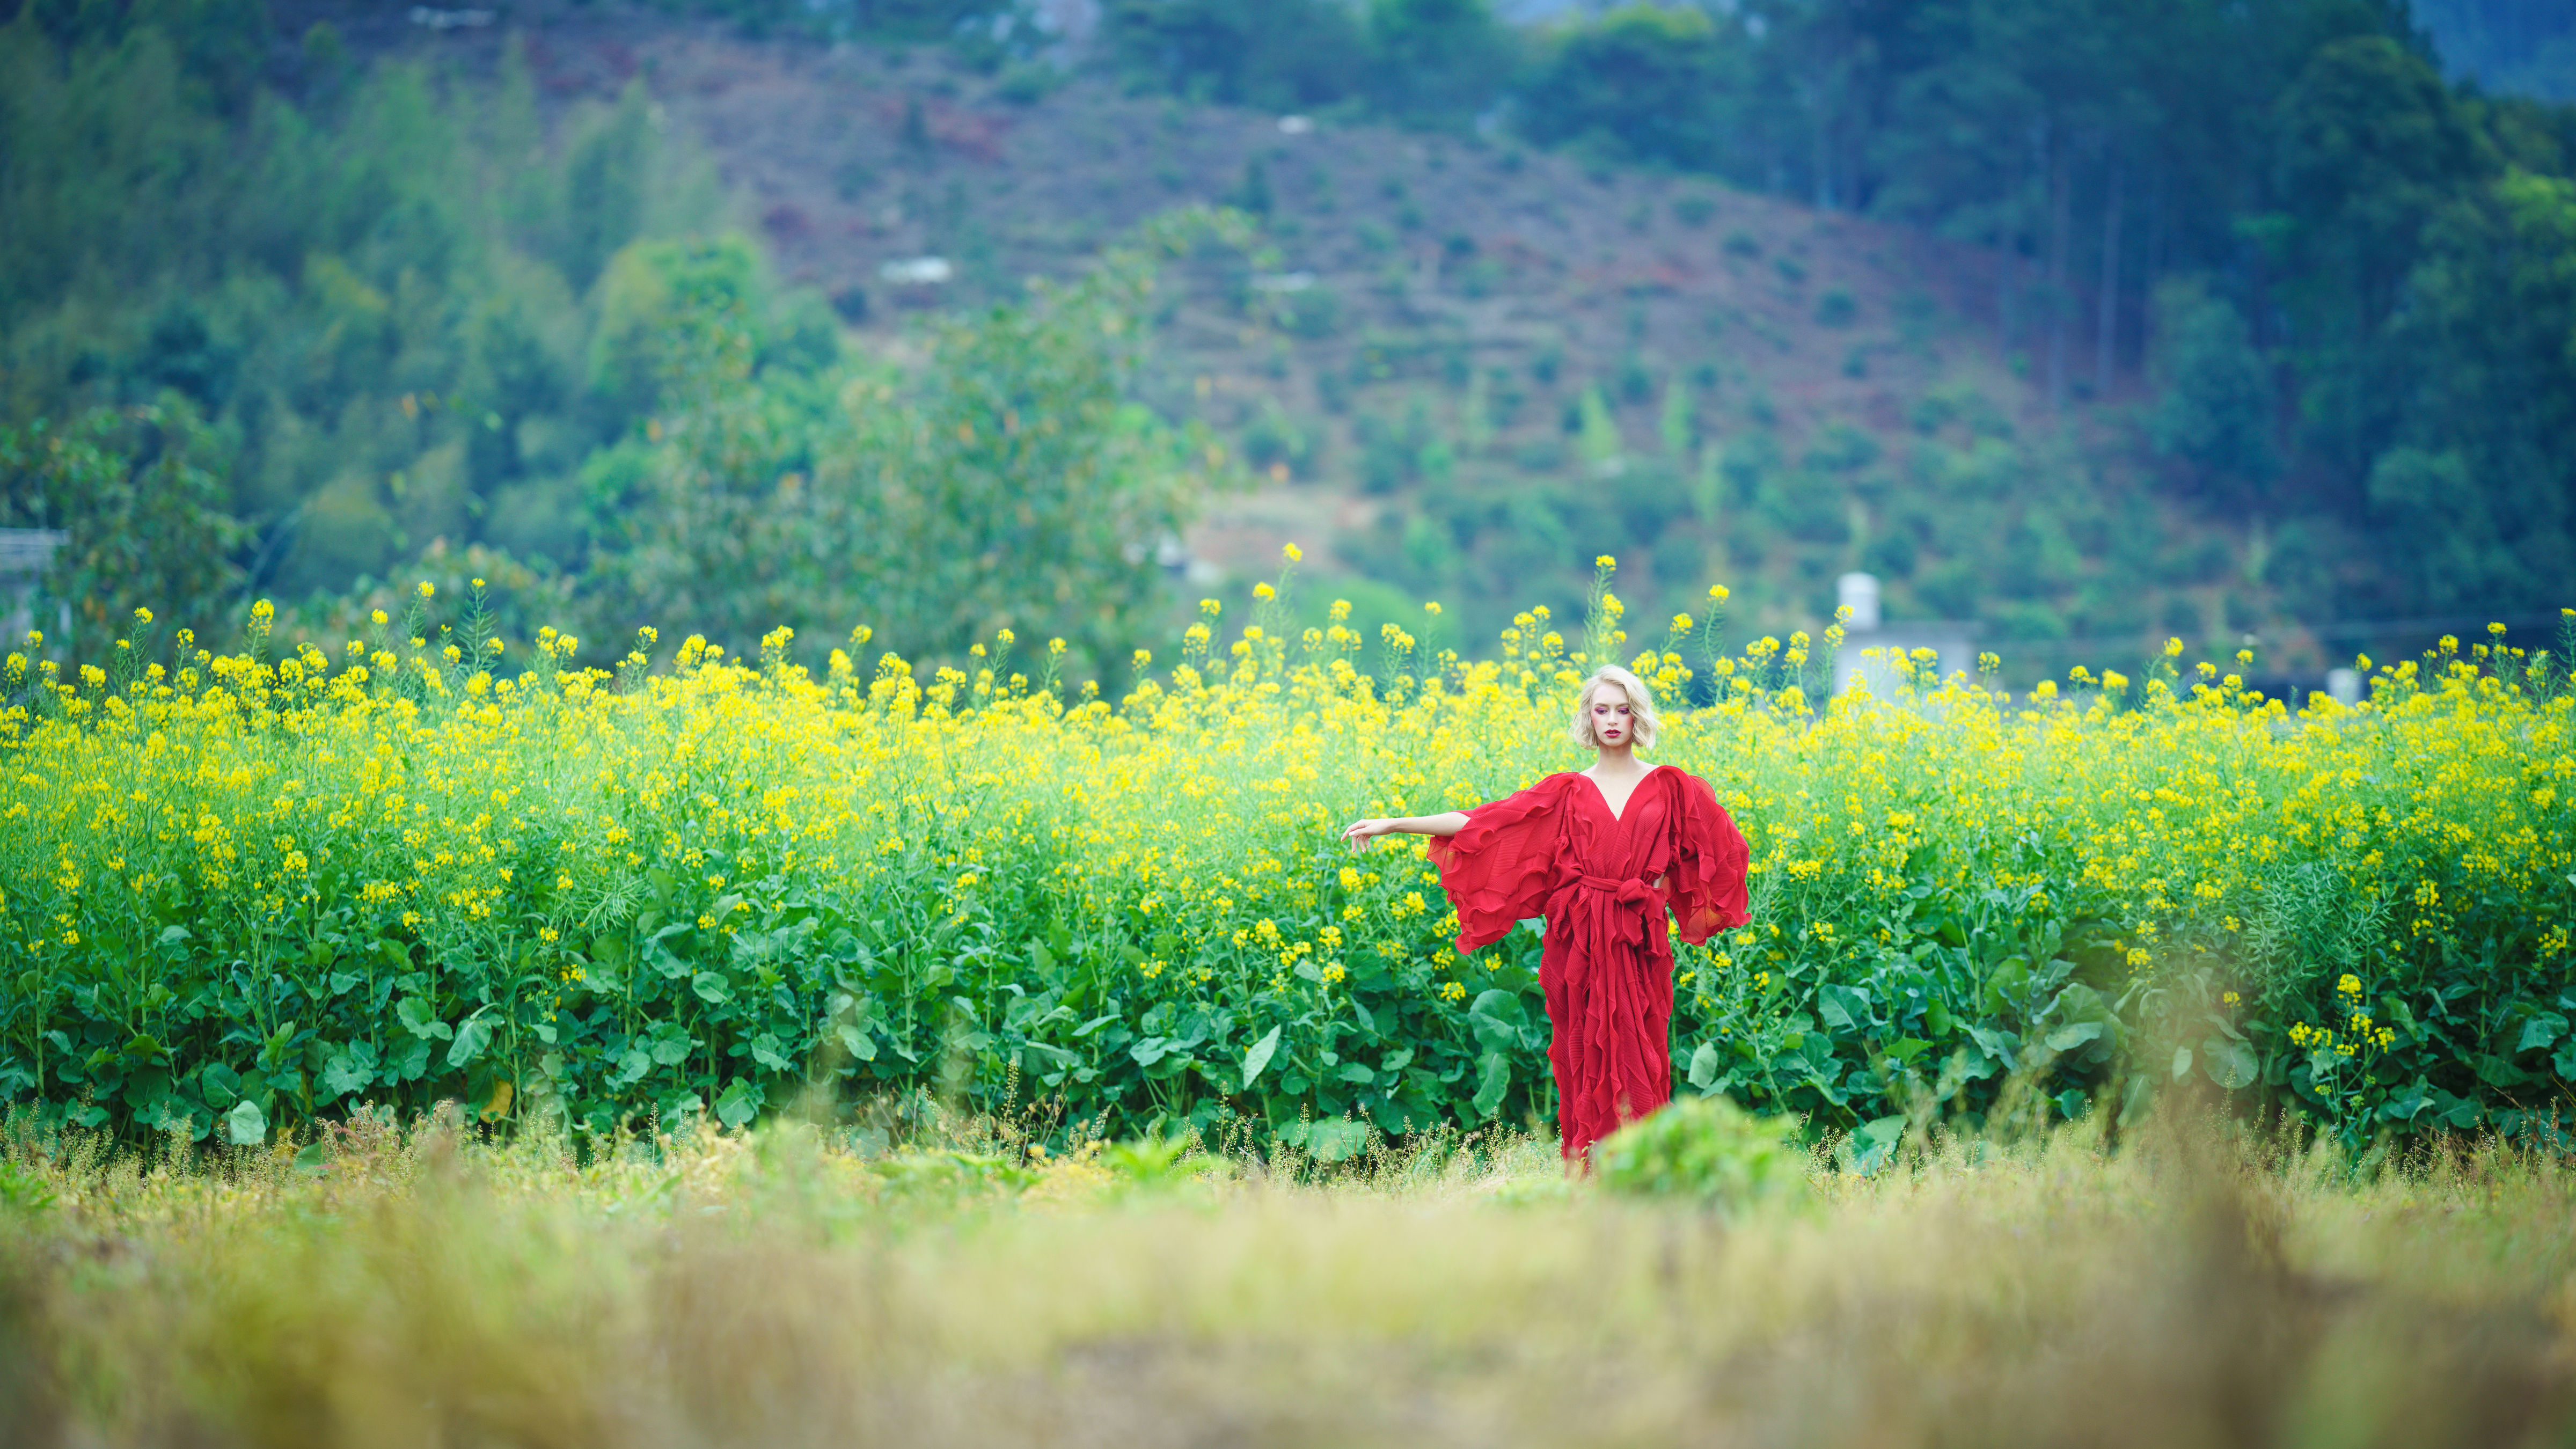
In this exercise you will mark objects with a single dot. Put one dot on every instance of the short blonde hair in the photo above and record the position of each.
(1641, 706)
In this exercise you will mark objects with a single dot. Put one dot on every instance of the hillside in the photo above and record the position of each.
(1467, 367)
(2076, 343)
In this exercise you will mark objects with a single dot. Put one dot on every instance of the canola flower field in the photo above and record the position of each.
(242, 893)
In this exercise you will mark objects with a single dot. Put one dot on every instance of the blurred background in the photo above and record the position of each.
(2077, 324)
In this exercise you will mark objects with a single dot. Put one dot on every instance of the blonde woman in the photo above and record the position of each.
(1601, 853)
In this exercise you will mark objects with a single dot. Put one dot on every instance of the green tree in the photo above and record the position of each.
(1643, 83)
(1274, 54)
(1005, 482)
(1436, 62)
(2212, 415)
(2477, 501)
(140, 493)
(2372, 145)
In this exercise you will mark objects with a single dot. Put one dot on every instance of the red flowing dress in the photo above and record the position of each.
(1603, 882)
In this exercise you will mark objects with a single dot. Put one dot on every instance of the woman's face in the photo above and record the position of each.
(1612, 722)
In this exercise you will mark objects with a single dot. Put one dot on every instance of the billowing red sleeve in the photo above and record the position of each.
(1501, 867)
(1709, 856)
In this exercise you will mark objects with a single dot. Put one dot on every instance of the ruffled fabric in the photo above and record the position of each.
(1499, 870)
(1604, 883)
(1706, 884)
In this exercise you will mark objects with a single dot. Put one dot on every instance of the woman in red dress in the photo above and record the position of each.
(1601, 853)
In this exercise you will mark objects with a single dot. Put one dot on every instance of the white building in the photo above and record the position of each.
(1866, 632)
(25, 554)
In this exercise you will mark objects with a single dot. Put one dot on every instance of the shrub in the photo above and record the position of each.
(1706, 1150)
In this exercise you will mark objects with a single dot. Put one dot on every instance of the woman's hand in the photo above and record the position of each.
(1359, 833)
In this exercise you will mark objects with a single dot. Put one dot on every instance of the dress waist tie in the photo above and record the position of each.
(1644, 903)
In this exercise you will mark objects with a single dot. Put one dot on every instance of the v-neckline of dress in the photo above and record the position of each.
(1619, 812)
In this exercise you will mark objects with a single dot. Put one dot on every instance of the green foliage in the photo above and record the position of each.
(380, 297)
(722, 891)
(1430, 62)
(2212, 415)
(1005, 484)
(1273, 54)
(1707, 1151)
(386, 351)
(1643, 82)
(140, 494)
(2317, 176)
(2483, 473)
(1436, 62)
(22, 1191)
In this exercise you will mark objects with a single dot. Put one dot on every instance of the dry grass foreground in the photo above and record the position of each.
(394, 1289)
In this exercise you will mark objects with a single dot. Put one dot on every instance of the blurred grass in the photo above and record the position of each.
(416, 1286)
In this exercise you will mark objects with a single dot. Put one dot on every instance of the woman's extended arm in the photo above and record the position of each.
(1360, 832)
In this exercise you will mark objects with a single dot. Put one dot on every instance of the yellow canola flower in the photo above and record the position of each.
(1202, 801)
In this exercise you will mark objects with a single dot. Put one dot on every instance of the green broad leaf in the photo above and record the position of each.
(861, 1044)
(1883, 1131)
(245, 1125)
(341, 981)
(2565, 1061)
(1151, 1050)
(739, 1103)
(2181, 1063)
(670, 1051)
(471, 1038)
(2231, 1064)
(765, 1049)
(631, 1069)
(1845, 1008)
(420, 1021)
(1053, 1056)
(1936, 1019)
(1704, 1066)
(220, 1085)
(1259, 1057)
(1354, 1072)
(173, 935)
(1998, 1045)
(2404, 1103)
(411, 1062)
(1040, 957)
(1495, 1018)
(1906, 1049)
(2074, 1034)
(1495, 1080)
(1095, 1024)
(2541, 1030)
(341, 1076)
(711, 988)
